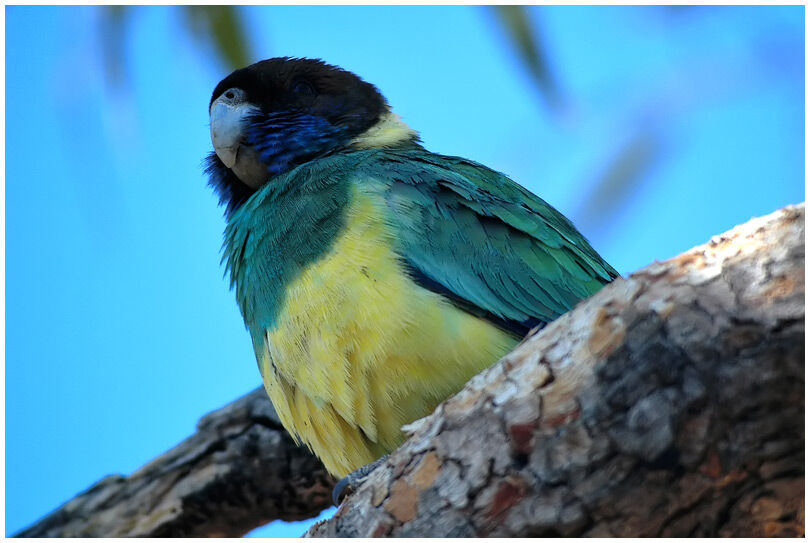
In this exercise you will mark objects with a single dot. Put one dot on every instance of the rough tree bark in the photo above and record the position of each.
(671, 403)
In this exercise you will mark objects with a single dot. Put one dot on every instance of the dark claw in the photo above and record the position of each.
(352, 481)
(337, 492)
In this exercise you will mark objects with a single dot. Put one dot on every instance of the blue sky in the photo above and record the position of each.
(120, 328)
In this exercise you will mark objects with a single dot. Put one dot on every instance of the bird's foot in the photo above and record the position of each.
(346, 486)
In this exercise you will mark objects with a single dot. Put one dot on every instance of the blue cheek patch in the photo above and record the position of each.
(285, 140)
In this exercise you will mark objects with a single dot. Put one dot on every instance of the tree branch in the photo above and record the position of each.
(670, 403)
(239, 470)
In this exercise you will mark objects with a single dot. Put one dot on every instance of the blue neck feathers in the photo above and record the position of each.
(285, 140)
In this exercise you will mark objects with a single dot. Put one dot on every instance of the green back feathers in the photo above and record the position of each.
(485, 238)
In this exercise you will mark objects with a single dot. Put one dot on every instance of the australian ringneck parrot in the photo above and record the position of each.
(375, 277)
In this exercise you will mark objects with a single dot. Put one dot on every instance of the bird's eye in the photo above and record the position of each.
(303, 88)
(234, 94)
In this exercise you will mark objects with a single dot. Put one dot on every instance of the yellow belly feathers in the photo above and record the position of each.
(359, 349)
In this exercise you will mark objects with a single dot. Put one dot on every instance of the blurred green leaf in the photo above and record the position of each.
(622, 176)
(222, 25)
(113, 29)
(526, 40)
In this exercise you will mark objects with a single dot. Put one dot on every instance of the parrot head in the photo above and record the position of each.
(274, 115)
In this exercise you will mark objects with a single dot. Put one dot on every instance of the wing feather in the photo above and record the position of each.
(485, 242)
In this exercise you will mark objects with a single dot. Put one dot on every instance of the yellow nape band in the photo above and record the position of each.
(389, 131)
(359, 349)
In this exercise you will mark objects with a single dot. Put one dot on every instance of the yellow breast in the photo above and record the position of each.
(359, 349)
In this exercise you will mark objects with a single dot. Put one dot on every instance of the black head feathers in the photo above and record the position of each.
(300, 84)
(274, 115)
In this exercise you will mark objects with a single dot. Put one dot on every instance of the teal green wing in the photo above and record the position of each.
(489, 245)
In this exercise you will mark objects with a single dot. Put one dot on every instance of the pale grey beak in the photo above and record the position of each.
(228, 114)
